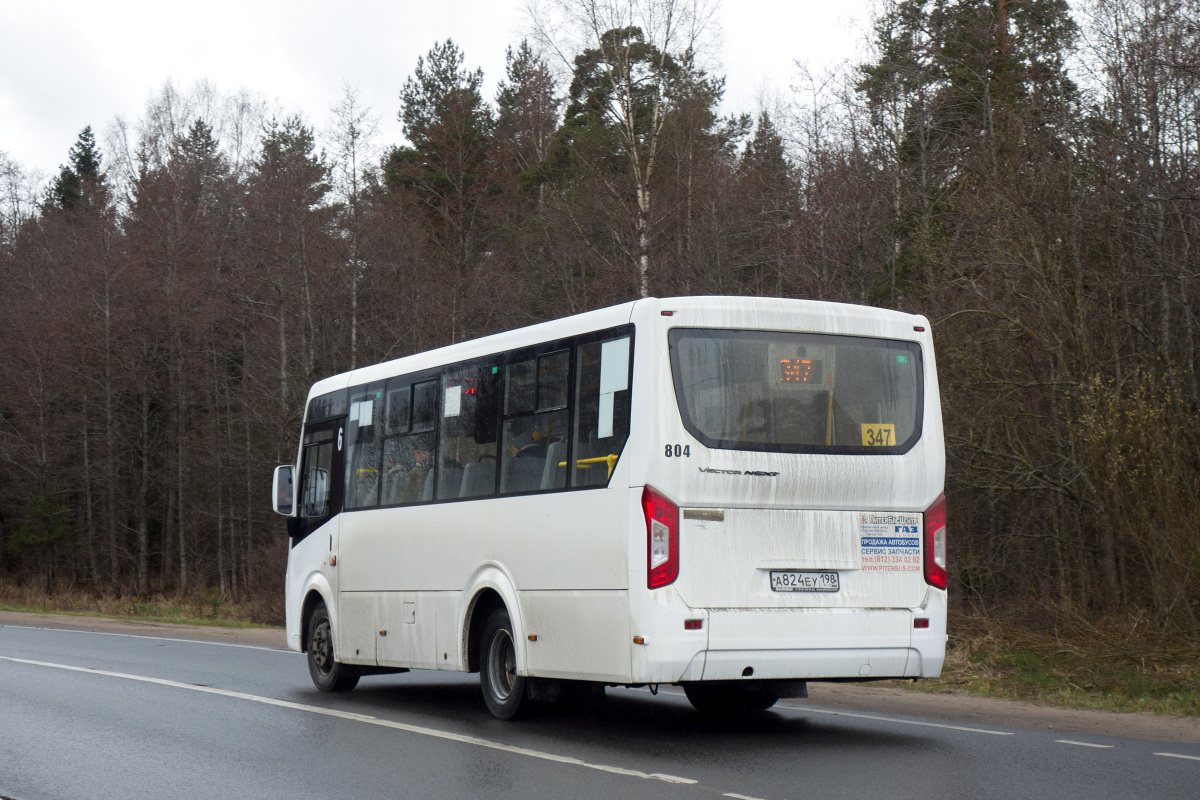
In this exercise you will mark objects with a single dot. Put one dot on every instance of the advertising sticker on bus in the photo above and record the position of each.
(890, 542)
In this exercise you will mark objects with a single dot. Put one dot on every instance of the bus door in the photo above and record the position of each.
(320, 500)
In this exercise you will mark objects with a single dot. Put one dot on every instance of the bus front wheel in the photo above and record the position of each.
(329, 674)
(503, 688)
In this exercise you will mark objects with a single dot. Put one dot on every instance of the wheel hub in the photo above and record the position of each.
(322, 648)
(502, 665)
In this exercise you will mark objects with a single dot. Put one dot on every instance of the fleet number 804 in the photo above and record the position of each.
(677, 450)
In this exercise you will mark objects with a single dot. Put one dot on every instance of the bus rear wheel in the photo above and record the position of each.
(724, 699)
(503, 689)
(329, 674)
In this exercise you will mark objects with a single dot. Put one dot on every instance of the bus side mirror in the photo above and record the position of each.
(283, 490)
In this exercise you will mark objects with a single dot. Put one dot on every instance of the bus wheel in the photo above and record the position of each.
(327, 673)
(726, 699)
(503, 688)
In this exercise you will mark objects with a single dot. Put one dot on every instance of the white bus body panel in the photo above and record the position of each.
(552, 557)
(309, 570)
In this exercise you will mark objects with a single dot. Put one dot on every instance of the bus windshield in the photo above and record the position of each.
(797, 392)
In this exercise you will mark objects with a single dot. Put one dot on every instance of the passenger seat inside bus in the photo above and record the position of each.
(449, 478)
(589, 474)
(553, 475)
(522, 474)
(393, 486)
(479, 479)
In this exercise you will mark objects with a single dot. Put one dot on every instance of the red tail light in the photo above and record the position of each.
(662, 539)
(935, 543)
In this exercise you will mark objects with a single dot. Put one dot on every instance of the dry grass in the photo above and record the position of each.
(203, 607)
(1112, 665)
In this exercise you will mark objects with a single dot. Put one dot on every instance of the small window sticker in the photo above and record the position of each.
(614, 377)
(453, 405)
(878, 435)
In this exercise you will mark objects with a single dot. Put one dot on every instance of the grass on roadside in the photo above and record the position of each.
(203, 608)
(1110, 666)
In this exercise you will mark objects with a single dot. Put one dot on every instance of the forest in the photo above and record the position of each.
(1026, 174)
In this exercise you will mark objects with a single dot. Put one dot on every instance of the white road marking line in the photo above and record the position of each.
(1084, 744)
(156, 638)
(1177, 755)
(417, 729)
(899, 721)
(875, 717)
(740, 796)
(671, 778)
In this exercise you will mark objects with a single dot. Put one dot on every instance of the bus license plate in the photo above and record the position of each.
(804, 581)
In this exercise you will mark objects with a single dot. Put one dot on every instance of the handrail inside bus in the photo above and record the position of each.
(829, 420)
(586, 463)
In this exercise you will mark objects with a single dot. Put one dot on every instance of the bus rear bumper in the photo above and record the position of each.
(825, 643)
(811, 664)
(804, 644)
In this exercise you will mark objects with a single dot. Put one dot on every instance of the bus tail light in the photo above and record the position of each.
(935, 543)
(662, 539)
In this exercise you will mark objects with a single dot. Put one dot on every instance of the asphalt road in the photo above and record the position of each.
(94, 715)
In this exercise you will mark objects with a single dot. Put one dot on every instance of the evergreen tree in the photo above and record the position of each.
(203, 165)
(528, 110)
(439, 92)
(291, 161)
(451, 167)
(613, 127)
(768, 184)
(81, 178)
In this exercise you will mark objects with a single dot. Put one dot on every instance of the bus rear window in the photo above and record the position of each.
(797, 392)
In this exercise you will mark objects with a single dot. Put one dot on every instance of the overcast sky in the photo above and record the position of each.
(66, 64)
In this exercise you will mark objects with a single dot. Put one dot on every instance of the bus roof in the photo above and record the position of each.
(475, 348)
(763, 312)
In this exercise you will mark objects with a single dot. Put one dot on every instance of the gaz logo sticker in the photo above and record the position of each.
(889, 542)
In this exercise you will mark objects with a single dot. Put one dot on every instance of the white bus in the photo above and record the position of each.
(735, 495)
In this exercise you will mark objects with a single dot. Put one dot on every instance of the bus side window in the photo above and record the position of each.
(601, 409)
(364, 447)
(535, 410)
(467, 448)
(315, 489)
(409, 444)
(399, 418)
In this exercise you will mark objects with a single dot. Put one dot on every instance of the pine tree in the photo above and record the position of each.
(768, 184)
(528, 111)
(451, 167)
(82, 178)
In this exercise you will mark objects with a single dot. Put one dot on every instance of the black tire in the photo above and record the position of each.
(328, 674)
(503, 689)
(725, 700)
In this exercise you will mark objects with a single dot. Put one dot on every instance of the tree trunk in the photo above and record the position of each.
(643, 237)
(110, 474)
(89, 516)
(180, 465)
(143, 513)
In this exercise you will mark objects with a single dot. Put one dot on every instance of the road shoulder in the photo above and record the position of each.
(259, 637)
(886, 699)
